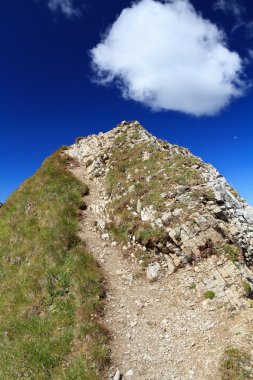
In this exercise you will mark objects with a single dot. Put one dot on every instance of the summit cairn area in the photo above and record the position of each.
(175, 241)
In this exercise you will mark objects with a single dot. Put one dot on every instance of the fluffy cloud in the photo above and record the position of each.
(65, 6)
(168, 57)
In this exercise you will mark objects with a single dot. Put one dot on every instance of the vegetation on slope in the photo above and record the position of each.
(50, 285)
(236, 365)
(140, 172)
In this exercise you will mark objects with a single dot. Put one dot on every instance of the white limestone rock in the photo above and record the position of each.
(148, 214)
(153, 271)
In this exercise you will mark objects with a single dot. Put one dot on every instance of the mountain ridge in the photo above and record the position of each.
(174, 242)
(125, 256)
(225, 204)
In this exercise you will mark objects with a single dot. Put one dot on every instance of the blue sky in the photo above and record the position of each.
(48, 96)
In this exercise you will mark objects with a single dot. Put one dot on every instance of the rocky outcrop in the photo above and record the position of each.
(166, 206)
(234, 211)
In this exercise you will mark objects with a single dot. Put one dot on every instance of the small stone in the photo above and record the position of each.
(166, 218)
(158, 222)
(233, 230)
(129, 373)
(177, 261)
(105, 236)
(177, 212)
(148, 214)
(117, 375)
(101, 224)
(130, 278)
(170, 264)
(139, 206)
(139, 303)
(224, 273)
(153, 271)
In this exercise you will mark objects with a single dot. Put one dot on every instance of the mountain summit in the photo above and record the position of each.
(125, 256)
(162, 198)
(175, 242)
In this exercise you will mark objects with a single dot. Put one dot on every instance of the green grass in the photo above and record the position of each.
(119, 232)
(50, 286)
(147, 234)
(247, 289)
(209, 294)
(232, 252)
(235, 364)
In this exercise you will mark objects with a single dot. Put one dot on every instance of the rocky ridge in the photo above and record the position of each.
(169, 209)
(175, 243)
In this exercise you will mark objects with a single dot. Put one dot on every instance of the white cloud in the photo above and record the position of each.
(249, 29)
(65, 6)
(238, 11)
(250, 51)
(168, 57)
(230, 6)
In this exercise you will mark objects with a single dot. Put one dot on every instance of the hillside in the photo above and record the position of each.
(50, 285)
(153, 229)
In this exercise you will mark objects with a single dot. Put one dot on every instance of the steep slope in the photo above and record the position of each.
(164, 214)
(50, 284)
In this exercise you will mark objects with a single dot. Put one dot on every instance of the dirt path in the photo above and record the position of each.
(162, 330)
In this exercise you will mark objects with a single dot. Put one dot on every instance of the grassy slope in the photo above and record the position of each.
(50, 285)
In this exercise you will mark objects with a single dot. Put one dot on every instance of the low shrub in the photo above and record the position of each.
(247, 289)
(209, 294)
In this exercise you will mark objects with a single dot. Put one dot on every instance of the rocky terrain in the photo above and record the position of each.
(175, 242)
